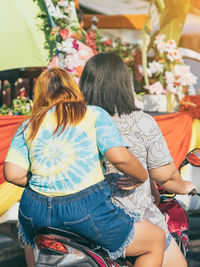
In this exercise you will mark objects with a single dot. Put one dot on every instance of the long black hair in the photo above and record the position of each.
(106, 82)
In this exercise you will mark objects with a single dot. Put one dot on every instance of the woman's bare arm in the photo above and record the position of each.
(15, 174)
(170, 179)
(126, 162)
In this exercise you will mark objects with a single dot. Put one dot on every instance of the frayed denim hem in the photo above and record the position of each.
(135, 215)
(168, 241)
(23, 238)
(121, 251)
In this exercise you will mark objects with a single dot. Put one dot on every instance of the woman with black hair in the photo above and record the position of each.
(105, 82)
(57, 156)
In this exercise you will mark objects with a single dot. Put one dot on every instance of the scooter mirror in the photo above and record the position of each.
(193, 157)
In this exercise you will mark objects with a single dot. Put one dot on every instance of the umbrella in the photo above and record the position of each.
(22, 43)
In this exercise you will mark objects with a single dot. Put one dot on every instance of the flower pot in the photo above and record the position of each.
(155, 103)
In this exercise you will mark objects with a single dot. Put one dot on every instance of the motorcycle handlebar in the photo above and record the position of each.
(194, 193)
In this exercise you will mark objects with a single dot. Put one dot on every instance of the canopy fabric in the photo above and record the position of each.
(177, 130)
(22, 43)
(8, 127)
(10, 194)
(125, 21)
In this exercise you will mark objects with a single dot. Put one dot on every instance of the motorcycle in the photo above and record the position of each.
(175, 214)
(58, 248)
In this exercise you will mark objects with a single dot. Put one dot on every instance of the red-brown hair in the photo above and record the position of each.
(56, 88)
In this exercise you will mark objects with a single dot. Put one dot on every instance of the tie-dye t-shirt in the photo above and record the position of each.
(65, 163)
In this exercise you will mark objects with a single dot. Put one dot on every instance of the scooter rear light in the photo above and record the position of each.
(50, 242)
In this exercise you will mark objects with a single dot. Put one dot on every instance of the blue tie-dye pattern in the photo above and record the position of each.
(62, 163)
(46, 134)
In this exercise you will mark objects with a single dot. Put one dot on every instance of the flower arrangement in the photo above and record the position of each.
(100, 44)
(166, 70)
(20, 106)
(63, 20)
(60, 22)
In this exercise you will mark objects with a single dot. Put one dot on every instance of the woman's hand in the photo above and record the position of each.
(189, 186)
(127, 183)
(170, 179)
(126, 162)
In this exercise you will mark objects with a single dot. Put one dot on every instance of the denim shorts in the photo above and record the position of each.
(90, 213)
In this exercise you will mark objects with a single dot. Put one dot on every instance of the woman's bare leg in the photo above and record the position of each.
(29, 256)
(148, 244)
(173, 256)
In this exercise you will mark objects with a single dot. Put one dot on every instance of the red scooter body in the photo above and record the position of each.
(175, 215)
(177, 221)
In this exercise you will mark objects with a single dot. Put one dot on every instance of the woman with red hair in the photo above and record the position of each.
(57, 155)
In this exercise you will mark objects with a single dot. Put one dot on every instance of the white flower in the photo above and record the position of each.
(160, 37)
(169, 77)
(94, 19)
(176, 54)
(173, 54)
(159, 42)
(170, 56)
(114, 44)
(66, 46)
(55, 12)
(156, 89)
(94, 27)
(181, 70)
(161, 46)
(185, 77)
(187, 80)
(155, 67)
(52, 11)
(170, 44)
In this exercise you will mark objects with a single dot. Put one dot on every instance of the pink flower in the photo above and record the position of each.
(156, 89)
(75, 45)
(91, 34)
(64, 33)
(109, 42)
